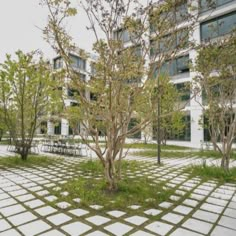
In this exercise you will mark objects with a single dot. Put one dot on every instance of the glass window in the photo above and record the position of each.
(77, 62)
(172, 67)
(222, 2)
(218, 27)
(181, 12)
(182, 38)
(125, 36)
(167, 43)
(209, 4)
(132, 124)
(153, 48)
(184, 91)
(183, 135)
(183, 64)
(57, 128)
(209, 30)
(227, 24)
(138, 51)
(82, 77)
(58, 63)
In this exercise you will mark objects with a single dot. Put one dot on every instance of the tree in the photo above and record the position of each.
(217, 82)
(120, 90)
(27, 94)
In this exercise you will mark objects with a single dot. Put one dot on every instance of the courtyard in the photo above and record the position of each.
(34, 200)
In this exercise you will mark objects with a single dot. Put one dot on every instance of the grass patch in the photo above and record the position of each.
(32, 160)
(179, 154)
(212, 172)
(5, 142)
(214, 154)
(93, 190)
(154, 146)
(95, 167)
(153, 153)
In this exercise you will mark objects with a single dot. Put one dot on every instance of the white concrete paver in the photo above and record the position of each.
(25, 194)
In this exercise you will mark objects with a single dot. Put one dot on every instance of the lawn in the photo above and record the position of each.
(31, 161)
(154, 146)
(179, 154)
(91, 188)
(212, 173)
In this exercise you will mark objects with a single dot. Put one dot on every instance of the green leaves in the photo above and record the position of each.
(27, 93)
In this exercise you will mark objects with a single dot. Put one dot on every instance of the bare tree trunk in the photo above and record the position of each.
(110, 175)
(223, 162)
(23, 150)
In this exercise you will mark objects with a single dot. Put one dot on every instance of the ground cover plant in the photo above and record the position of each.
(154, 146)
(212, 172)
(32, 160)
(181, 154)
(91, 188)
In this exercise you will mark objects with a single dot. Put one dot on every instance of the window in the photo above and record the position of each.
(43, 127)
(93, 68)
(132, 124)
(218, 27)
(182, 38)
(176, 66)
(72, 92)
(170, 42)
(74, 104)
(58, 63)
(206, 5)
(182, 64)
(184, 91)
(57, 128)
(185, 134)
(123, 35)
(227, 24)
(181, 12)
(138, 51)
(176, 13)
(78, 62)
(153, 48)
(93, 96)
(82, 77)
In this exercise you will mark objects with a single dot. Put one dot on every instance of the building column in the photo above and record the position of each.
(50, 128)
(64, 127)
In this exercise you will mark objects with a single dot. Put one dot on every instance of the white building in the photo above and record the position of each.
(83, 65)
(216, 19)
(222, 19)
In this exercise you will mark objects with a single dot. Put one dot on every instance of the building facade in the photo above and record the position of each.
(83, 66)
(214, 21)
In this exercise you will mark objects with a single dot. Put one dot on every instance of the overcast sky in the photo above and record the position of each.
(20, 21)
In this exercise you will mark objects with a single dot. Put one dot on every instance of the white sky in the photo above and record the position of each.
(19, 22)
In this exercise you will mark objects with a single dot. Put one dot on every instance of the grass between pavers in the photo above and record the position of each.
(153, 153)
(212, 173)
(154, 146)
(179, 154)
(32, 160)
(91, 188)
(4, 142)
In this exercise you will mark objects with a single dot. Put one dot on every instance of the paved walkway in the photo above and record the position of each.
(196, 208)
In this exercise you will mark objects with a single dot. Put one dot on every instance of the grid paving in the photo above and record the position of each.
(195, 208)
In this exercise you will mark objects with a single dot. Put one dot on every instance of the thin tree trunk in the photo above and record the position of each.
(110, 176)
